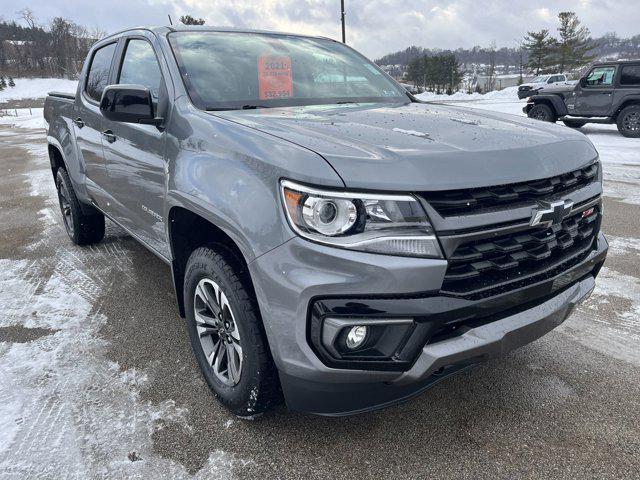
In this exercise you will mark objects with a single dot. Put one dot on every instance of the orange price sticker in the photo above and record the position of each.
(274, 75)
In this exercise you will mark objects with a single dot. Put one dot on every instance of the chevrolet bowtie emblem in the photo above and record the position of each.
(551, 213)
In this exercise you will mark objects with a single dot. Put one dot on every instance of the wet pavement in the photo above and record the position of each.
(97, 378)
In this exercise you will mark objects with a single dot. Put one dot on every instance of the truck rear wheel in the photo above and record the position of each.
(542, 112)
(226, 333)
(82, 229)
(629, 121)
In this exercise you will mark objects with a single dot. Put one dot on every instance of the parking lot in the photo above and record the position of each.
(97, 378)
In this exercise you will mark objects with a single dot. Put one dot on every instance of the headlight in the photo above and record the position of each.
(368, 222)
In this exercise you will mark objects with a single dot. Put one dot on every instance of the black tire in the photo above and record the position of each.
(82, 228)
(629, 121)
(257, 388)
(574, 123)
(542, 112)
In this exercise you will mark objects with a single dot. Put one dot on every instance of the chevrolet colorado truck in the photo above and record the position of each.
(609, 93)
(334, 242)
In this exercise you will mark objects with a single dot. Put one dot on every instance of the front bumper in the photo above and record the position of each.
(527, 93)
(299, 274)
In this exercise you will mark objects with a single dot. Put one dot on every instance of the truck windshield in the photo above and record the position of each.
(233, 70)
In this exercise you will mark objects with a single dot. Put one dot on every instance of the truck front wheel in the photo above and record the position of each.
(82, 229)
(226, 332)
(629, 121)
(542, 112)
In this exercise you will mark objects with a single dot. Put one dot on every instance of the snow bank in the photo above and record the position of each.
(37, 88)
(508, 94)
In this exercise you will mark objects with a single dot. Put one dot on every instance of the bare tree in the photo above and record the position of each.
(491, 78)
(28, 16)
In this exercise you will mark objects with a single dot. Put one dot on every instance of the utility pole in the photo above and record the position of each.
(344, 32)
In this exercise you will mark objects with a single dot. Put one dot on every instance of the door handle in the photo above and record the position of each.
(109, 136)
(79, 123)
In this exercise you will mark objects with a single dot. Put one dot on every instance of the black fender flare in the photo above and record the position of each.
(633, 99)
(554, 101)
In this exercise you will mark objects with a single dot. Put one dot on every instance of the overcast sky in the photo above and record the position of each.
(374, 27)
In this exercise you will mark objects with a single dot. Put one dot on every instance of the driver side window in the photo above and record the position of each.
(140, 67)
(601, 77)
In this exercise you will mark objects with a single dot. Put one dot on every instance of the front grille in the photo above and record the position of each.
(523, 88)
(478, 200)
(501, 263)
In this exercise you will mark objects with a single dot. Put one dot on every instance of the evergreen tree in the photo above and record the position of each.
(189, 20)
(415, 71)
(437, 73)
(574, 46)
(538, 44)
(11, 82)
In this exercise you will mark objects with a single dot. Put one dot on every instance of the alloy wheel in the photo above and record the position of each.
(65, 207)
(631, 122)
(218, 332)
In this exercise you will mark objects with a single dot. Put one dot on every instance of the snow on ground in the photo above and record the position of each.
(37, 88)
(507, 94)
(23, 118)
(66, 410)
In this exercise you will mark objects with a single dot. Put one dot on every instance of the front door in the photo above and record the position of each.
(595, 96)
(89, 124)
(134, 153)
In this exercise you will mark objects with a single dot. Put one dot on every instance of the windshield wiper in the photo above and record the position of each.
(225, 109)
(345, 102)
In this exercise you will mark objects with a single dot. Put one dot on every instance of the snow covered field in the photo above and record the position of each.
(37, 88)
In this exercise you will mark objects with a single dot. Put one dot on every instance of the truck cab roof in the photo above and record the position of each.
(164, 29)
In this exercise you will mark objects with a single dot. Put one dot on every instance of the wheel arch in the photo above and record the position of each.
(188, 231)
(552, 101)
(627, 102)
(56, 159)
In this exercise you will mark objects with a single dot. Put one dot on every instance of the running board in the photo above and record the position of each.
(588, 119)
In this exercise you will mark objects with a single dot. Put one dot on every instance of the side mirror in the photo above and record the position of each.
(583, 82)
(129, 104)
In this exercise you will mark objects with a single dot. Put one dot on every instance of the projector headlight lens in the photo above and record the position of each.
(368, 222)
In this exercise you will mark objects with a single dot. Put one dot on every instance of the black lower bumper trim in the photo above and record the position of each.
(437, 315)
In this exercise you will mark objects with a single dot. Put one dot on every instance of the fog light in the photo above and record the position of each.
(356, 336)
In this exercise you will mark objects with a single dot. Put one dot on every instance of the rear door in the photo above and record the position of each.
(595, 96)
(134, 153)
(89, 123)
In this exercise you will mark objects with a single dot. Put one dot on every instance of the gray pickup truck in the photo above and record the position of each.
(333, 241)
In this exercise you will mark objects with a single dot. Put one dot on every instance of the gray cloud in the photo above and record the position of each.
(374, 26)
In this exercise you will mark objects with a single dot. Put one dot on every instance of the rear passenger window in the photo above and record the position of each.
(630, 75)
(140, 67)
(98, 75)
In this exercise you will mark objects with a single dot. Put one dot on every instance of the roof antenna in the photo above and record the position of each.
(170, 21)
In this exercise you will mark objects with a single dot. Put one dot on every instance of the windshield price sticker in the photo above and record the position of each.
(275, 78)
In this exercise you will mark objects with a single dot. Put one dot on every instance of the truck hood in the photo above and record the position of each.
(533, 85)
(565, 89)
(420, 146)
